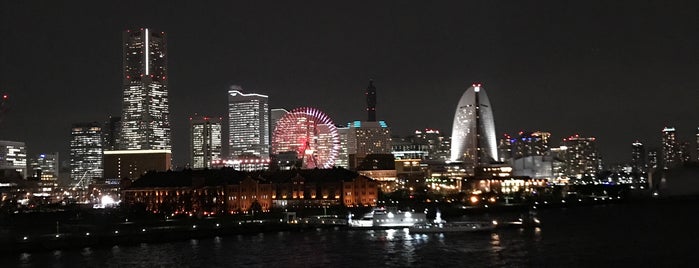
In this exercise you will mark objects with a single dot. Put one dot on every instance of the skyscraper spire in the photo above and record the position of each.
(145, 113)
(371, 101)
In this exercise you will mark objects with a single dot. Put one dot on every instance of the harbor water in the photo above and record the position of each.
(656, 234)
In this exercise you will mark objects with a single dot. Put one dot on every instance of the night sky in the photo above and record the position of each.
(616, 70)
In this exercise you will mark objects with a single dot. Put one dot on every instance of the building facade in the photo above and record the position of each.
(45, 167)
(671, 156)
(13, 159)
(366, 138)
(638, 157)
(248, 124)
(205, 141)
(580, 156)
(86, 152)
(190, 192)
(473, 131)
(111, 131)
(145, 123)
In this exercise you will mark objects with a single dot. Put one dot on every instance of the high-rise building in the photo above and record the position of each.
(342, 156)
(530, 144)
(473, 131)
(671, 148)
(145, 123)
(86, 153)
(274, 116)
(580, 156)
(371, 102)
(697, 144)
(111, 131)
(433, 139)
(685, 153)
(638, 157)
(13, 159)
(505, 148)
(45, 167)
(653, 161)
(205, 141)
(248, 124)
(365, 138)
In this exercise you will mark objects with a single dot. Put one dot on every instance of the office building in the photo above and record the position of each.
(274, 116)
(653, 161)
(367, 138)
(45, 168)
(13, 159)
(638, 157)
(580, 156)
(86, 153)
(205, 141)
(111, 131)
(671, 149)
(248, 124)
(145, 123)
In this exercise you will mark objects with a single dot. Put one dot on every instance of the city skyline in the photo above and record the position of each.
(567, 76)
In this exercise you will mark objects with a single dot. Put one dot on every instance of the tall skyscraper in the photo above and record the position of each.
(671, 148)
(371, 102)
(473, 132)
(86, 153)
(342, 156)
(145, 123)
(697, 144)
(275, 115)
(248, 124)
(45, 167)
(580, 156)
(13, 159)
(653, 161)
(638, 157)
(205, 141)
(685, 152)
(111, 131)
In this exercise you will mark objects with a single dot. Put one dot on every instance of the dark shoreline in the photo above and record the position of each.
(135, 233)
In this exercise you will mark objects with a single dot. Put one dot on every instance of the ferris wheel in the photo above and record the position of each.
(310, 134)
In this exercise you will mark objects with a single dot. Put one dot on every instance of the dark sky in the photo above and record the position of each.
(617, 70)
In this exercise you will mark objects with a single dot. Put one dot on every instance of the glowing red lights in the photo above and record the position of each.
(310, 134)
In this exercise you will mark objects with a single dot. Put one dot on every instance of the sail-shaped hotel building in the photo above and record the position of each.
(473, 133)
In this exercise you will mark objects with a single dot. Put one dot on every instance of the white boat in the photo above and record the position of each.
(388, 218)
(441, 226)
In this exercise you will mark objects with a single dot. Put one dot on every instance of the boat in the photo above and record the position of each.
(386, 218)
(441, 226)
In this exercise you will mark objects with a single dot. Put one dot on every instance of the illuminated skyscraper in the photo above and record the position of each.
(365, 138)
(248, 124)
(653, 160)
(671, 149)
(580, 156)
(205, 141)
(145, 123)
(473, 132)
(45, 167)
(371, 101)
(111, 131)
(13, 159)
(86, 153)
(275, 115)
(638, 157)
